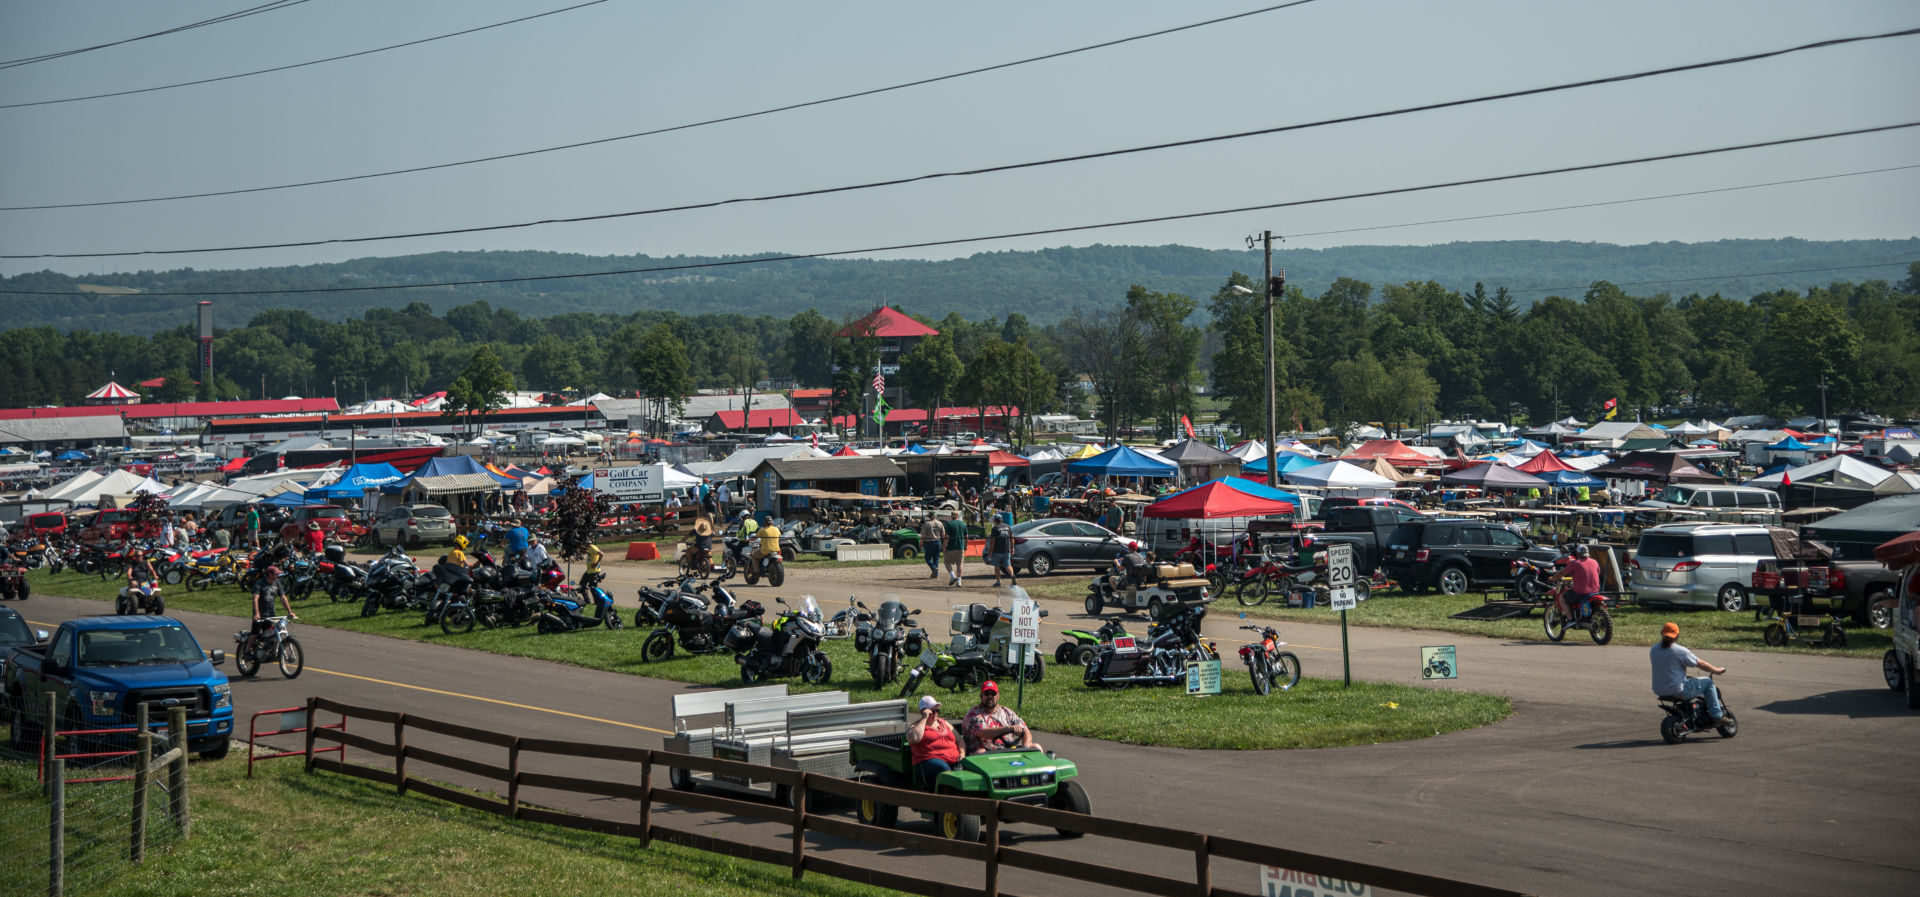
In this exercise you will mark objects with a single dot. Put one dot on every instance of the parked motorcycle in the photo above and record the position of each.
(221, 569)
(1162, 660)
(888, 636)
(1081, 645)
(1686, 716)
(689, 622)
(390, 582)
(790, 646)
(1269, 666)
(140, 598)
(976, 653)
(565, 611)
(278, 646)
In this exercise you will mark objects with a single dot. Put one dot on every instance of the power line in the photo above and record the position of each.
(1608, 202)
(229, 17)
(927, 244)
(671, 128)
(1642, 283)
(1059, 160)
(282, 68)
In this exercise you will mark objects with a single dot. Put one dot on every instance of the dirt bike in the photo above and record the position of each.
(277, 645)
(1686, 716)
(1269, 666)
(1592, 615)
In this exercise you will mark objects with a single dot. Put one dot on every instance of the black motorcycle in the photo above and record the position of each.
(790, 646)
(1686, 716)
(1532, 580)
(887, 636)
(495, 610)
(1162, 659)
(695, 625)
(390, 582)
(977, 653)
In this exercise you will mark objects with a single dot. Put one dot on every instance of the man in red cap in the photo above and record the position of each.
(992, 726)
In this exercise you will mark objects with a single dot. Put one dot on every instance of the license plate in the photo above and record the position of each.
(1656, 574)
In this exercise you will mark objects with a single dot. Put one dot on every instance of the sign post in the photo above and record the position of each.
(1026, 637)
(1340, 579)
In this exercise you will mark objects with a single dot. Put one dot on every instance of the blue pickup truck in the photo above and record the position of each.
(102, 668)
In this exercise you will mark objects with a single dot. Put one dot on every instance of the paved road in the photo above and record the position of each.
(1574, 794)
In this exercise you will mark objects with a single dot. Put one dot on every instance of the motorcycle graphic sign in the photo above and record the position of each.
(1438, 662)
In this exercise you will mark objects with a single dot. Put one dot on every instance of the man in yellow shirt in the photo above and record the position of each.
(769, 541)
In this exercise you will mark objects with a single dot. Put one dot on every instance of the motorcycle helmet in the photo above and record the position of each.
(460, 542)
(552, 578)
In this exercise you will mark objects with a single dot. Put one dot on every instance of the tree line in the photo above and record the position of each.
(1404, 354)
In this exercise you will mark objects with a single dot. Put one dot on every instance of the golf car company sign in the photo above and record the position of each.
(1278, 882)
(645, 482)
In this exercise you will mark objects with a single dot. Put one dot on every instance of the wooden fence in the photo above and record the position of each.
(990, 851)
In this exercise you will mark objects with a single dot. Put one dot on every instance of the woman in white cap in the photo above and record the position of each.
(934, 746)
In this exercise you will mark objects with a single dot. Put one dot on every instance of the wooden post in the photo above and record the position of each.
(312, 709)
(513, 778)
(646, 800)
(993, 852)
(177, 772)
(1202, 865)
(47, 729)
(400, 754)
(56, 828)
(799, 826)
(141, 778)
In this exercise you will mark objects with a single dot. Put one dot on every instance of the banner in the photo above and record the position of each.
(879, 382)
(880, 411)
(1188, 425)
(1613, 408)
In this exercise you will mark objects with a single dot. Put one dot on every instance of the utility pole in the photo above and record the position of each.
(1823, 403)
(1266, 240)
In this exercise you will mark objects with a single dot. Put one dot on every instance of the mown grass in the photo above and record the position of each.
(1318, 713)
(286, 832)
(1699, 629)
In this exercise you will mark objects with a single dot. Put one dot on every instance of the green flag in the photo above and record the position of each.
(879, 411)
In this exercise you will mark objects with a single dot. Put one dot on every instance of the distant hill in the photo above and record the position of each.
(1041, 284)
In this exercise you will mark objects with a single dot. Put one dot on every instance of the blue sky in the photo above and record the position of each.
(626, 66)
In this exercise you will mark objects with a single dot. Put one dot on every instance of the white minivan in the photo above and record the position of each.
(1698, 564)
(1730, 504)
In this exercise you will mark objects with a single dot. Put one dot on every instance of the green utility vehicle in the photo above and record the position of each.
(1029, 777)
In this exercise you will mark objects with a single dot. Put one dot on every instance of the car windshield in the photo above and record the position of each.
(14, 631)
(127, 647)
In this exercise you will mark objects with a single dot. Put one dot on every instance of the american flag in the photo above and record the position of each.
(879, 382)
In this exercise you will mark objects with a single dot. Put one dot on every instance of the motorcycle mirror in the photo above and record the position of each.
(860, 604)
(1043, 611)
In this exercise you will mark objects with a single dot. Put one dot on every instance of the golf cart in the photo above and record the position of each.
(1028, 777)
(1169, 583)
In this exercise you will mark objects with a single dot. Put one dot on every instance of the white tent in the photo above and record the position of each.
(1249, 450)
(1341, 478)
(743, 461)
(1527, 449)
(149, 484)
(1585, 462)
(75, 487)
(1837, 470)
(301, 444)
(381, 406)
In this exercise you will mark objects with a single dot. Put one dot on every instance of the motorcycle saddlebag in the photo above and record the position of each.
(741, 637)
(336, 553)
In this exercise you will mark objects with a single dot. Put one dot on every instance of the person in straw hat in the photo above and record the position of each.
(703, 545)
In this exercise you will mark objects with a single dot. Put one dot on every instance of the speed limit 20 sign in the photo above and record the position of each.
(1341, 576)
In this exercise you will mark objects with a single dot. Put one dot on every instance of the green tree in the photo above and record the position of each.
(553, 365)
(481, 388)
(808, 333)
(1240, 364)
(931, 371)
(659, 365)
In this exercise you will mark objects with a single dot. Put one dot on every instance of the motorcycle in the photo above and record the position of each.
(887, 636)
(696, 626)
(1532, 580)
(1269, 666)
(218, 569)
(279, 646)
(773, 567)
(564, 609)
(497, 609)
(977, 652)
(788, 647)
(1592, 615)
(1081, 645)
(390, 582)
(1686, 716)
(140, 598)
(1163, 660)
(1436, 668)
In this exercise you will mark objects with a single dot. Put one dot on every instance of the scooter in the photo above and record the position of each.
(565, 609)
(1686, 716)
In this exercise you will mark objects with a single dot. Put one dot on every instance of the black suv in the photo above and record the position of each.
(1455, 555)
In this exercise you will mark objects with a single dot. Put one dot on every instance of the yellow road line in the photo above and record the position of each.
(455, 694)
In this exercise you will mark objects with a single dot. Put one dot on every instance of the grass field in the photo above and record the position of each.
(286, 832)
(1318, 713)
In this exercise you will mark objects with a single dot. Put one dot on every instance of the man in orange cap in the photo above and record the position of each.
(1670, 662)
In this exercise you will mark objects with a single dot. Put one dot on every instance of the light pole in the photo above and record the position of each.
(1271, 282)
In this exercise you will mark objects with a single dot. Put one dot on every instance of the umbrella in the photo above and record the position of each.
(1900, 552)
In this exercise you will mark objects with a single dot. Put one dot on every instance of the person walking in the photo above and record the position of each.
(956, 550)
(1000, 551)
(933, 537)
(253, 526)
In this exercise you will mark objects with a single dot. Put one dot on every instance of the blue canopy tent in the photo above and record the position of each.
(455, 466)
(1122, 461)
(1570, 479)
(1249, 487)
(356, 480)
(1286, 461)
(71, 455)
(1788, 444)
(289, 499)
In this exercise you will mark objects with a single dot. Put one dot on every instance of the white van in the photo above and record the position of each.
(1698, 564)
(1729, 504)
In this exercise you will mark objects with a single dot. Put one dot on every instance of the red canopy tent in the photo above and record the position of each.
(1898, 553)
(1545, 462)
(234, 465)
(846, 451)
(1396, 452)
(1216, 500)
(1006, 459)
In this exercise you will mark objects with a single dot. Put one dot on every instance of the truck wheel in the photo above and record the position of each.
(1890, 668)
(1073, 799)
(218, 751)
(1875, 614)
(23, 735)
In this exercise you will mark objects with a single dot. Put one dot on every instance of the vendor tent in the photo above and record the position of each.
(1664, 467)
(354, 482)
(74, 488)
(1090, 450)
(1225, 497)
(1284, 462)
(1393, 450)
(1571, 479)
(1493, 476)
(1006, 459)
(1200, 462)
(1122, 461)
(1868, 525)
(1343, 478)
(846, 451)
(1839, 480)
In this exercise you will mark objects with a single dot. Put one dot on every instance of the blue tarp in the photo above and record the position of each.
(1788, 444)
(71, 455)
(1568, 479)
(1286, 461)
(356, 480)
(1242, 484)
(1122, 461)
